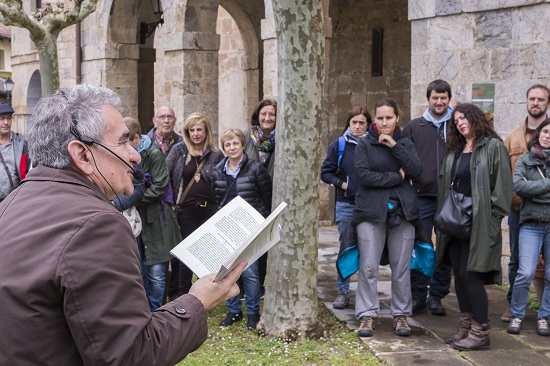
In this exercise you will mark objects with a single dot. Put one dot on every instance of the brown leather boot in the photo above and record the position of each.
(464, 325)
(478, 338)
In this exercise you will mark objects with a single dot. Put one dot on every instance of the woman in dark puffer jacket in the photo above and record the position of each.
(234, 176)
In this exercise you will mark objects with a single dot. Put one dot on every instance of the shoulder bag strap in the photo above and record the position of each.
(234, 181)
(540, 172)
(184, 194)
(7, 172)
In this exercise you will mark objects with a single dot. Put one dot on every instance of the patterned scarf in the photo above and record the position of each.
(538, 153)
(265, 143)
(350, 137)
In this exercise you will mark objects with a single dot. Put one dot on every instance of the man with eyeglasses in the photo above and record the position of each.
(163, 137)
(13, 153)
(162, 134)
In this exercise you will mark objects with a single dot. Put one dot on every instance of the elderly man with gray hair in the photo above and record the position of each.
(71, 291)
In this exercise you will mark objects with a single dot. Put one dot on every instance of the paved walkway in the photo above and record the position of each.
(426, 346)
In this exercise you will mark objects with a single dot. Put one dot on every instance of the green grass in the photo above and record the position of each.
(235, 345)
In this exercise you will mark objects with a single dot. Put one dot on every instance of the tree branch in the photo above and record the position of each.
(12, 13)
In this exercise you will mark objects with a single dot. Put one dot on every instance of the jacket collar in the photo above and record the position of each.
(68, 176)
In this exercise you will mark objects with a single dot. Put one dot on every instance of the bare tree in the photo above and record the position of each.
(290, 308)
(44, 26)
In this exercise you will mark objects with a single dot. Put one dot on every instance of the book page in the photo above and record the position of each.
(259, 242)
(208, 247)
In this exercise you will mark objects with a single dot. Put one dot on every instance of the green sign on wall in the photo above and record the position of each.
(483, 95)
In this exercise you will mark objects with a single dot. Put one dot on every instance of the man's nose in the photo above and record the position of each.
(135, 158)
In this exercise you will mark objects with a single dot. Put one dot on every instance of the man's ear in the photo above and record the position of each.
(81, 157)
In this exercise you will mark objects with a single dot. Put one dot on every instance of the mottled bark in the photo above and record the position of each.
(44, 26)
(290, 308)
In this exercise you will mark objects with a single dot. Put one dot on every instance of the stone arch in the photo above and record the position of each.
(239, 90)
(34, 91)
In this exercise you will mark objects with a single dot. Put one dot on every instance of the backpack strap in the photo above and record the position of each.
(341, 147)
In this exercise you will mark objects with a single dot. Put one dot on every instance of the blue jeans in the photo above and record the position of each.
(344, 213)
(513, 231)
(251, 282)
(441, 280)
(153, 278)
(534, 236)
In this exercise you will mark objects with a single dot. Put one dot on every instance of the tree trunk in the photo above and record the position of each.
(290, 307)
(49, 69)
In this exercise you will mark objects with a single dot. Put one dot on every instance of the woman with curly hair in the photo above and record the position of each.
(476, 165)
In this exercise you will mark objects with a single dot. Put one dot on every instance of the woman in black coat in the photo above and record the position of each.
(385, 208)
(236, 175)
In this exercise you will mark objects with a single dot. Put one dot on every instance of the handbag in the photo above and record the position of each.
(454, 216)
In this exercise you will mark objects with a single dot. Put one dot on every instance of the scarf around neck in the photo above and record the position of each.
(265, 143)
(350, 137)
(538, 153)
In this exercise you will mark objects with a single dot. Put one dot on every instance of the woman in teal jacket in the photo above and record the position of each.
(483, 173)
(532, 184)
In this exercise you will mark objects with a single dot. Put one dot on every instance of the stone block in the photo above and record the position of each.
(527, 27)
(446, 65)
(451, 33)
(475, 65)
(268, 28)
(191, 41)
(512, 63)
(421, 9)
(448, 7)
(541, 65)
(419, 36)
(484, 5)
(493, 29)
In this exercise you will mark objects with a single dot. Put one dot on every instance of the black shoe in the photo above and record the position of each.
(434, 304)
(253, 320)
(342, 301)
(231, 318)
(419, 307)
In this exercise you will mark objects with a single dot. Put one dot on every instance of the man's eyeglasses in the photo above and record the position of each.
(6, 118)
(166, 116)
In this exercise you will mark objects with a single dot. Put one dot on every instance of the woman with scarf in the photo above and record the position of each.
(476, 165)
(385, 207)
(338, 170)
(532, 184)
(260, 147)
(190, 164)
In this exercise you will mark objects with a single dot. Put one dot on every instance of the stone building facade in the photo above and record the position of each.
(220, 57)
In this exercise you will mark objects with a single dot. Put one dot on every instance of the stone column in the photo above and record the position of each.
(191, 74)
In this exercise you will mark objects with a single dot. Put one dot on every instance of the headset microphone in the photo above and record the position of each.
(138, 174)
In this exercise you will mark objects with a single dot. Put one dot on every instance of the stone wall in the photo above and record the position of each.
(465, 42)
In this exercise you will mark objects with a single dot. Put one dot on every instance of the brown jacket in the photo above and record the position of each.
(516, 143)
(70, 288)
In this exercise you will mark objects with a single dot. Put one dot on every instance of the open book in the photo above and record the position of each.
(234, 233)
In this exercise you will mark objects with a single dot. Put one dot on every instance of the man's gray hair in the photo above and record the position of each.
(80, 107)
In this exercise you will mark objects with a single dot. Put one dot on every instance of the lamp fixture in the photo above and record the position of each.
(147, 29)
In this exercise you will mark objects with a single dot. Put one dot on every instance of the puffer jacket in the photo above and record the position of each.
(175, 161)
(516, 143)
(532, 188)
(253, 184)
(377, 167)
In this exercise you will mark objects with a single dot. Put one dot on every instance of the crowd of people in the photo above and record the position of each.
(390, 183)
(103, 285)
